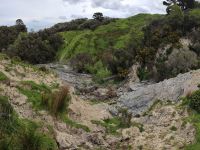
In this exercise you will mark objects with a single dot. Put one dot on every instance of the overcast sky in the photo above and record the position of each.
(38, 14)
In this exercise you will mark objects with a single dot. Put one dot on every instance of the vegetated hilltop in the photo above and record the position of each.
(106, 47)
(106, 50)
(154, 41)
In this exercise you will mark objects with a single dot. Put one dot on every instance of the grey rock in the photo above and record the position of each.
(143, 95)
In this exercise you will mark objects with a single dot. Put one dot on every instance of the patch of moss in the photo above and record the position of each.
(139, 126)
(74, 124)
(173, 128)
(153, 106)
(111, 125)
(3, 77)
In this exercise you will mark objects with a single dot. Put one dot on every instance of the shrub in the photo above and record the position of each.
(143, 74)
(179, 61)
(125, 118)
(176, 17)
(192, 20)
(118, 62)
(194, 101)
(113, 124)
(80, 62)
(99, 71)
(8, 35)
(195, 46)
(173, 128)
(34, 49)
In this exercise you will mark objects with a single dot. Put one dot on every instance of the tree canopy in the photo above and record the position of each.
(183, 4)
(98, 16)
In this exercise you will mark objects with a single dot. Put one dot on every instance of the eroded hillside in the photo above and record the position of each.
(83, 124)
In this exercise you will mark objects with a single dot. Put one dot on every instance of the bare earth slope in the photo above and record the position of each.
(152, 131)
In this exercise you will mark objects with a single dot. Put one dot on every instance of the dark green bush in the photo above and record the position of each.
(36, 48)
(8, 35)
(81, 61)
(194, 101)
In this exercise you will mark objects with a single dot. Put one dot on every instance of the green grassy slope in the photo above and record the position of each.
(116, 35)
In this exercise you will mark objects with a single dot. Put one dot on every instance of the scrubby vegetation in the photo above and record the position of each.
(108, 50)
(123, 120)
(8, 35)
(111, 49)
(43, 97)
(168, 31)
(193, 101)
(36, 48)
(54, 100)
(195, 120)
(21, 134)
(107, 47)
(40, 47)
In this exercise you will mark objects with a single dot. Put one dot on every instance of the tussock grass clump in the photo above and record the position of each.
(47, 98)
(60, 100)
(125, 119)
(44, 97)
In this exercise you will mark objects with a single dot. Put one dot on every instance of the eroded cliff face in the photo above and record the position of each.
(163, 127)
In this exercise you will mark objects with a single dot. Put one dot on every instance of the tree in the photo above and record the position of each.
(20, 26)
(19, 22)
(98, 16)
(176, 17)
(183, 4)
